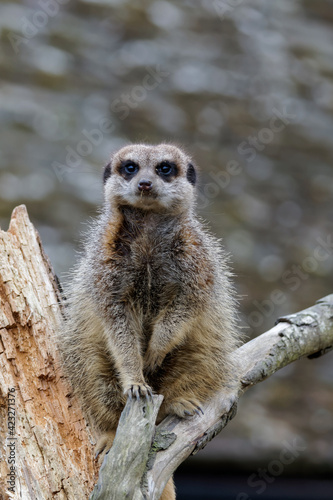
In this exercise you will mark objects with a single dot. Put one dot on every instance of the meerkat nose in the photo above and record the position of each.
(145, 185)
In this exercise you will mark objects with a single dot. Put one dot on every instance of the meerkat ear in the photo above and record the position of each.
(191, 174)
(107, 172)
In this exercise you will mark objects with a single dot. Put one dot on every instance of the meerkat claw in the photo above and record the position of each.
(149, 394)
(139, 391)
(198, 408)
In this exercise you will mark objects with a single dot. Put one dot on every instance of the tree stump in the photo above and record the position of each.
(46, 446)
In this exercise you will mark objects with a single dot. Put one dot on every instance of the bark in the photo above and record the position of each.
(51, 443)
(46, 438)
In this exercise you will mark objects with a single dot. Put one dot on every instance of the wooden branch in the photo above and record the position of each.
(45, 446)
(307, 333)
(137, 423)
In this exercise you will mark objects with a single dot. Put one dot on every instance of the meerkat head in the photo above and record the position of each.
(153, 178)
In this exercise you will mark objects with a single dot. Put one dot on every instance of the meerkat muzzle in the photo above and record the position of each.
(145, 186)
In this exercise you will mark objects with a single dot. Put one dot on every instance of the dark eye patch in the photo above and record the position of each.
(107, 172)
(167, 170)
(191, 174)
(128, 169)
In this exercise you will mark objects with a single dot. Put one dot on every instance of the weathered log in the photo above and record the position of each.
(307, 333)
(45, 437)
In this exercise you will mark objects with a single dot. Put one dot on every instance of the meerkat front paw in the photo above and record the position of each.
(138, 390)
(104, 444)
(184, 407)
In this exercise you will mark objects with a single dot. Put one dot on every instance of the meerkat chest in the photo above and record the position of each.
(153, 260)
(151, 263)
(155, 274)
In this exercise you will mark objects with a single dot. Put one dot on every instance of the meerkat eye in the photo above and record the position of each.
(166, 169)
(128, 169)
(131, 168)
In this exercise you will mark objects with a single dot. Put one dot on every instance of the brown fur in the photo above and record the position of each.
(150, 304)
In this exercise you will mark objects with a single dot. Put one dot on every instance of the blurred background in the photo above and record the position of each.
(246, 86)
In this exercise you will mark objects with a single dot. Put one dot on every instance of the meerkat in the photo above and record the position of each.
(151, 306)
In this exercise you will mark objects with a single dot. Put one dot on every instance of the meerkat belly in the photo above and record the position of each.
(156, 280)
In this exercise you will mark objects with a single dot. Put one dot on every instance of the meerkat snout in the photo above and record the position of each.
(145, 185)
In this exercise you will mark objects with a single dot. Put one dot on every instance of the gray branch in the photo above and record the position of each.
(143, 456)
